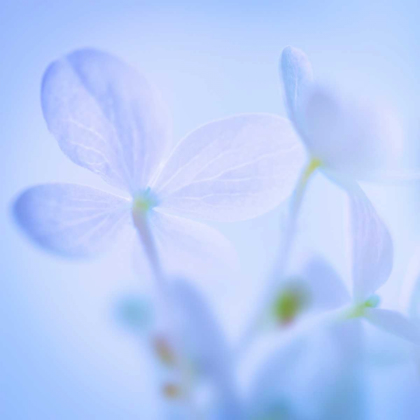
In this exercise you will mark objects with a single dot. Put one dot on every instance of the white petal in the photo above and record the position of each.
(352, 138)
(71, 220)
(297, 75)
(395, 323)
(371, 243)
(232, 169)
(204, 343)
(326, 359)
(106, 117)
(327, 290)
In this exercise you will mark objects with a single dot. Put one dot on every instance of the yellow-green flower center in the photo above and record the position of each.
(144, 201)
(289, 303)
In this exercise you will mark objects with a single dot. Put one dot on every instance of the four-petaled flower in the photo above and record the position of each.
(108, 119)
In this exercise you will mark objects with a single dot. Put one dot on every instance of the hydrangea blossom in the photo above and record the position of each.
(107, 118)
(321, 366)
(348, 141)
(317, 288)
(342, 137)
(193, 360)
(198, 376)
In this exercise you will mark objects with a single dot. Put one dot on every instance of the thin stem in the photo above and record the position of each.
(165, 304)
(149, 245)
(286, 246)
(285, 251)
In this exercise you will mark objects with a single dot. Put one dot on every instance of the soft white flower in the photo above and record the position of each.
(108, 119)
(344, 137)
(346, 140)
(198, 377)
(316, 288)
(372, 261)
(316, 373)
(192, 360)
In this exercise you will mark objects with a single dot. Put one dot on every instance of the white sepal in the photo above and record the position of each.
(232, 169)
(71, 220)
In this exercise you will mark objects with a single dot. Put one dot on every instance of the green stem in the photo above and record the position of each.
(294, 211)
(165, 304)
(285, 250)
(149, 246)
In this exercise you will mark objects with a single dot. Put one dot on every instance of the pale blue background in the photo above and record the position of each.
(61, 354)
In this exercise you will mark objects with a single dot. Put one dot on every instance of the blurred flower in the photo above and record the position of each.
(197, 374)
(108, 119)
(317, 374)
(192, 358)
(316, 288)
(347, 142)
(344, 138)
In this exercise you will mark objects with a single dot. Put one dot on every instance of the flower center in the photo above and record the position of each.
(144, 201)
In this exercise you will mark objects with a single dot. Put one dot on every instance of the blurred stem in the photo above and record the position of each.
(146, 238)
(149, 245)
(285, 250)
(294, 211)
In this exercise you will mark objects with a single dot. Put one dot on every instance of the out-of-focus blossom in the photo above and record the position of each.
(343, 137)
(317, 287)
(317, 375)
(347, 141)
(192, 359)
(197, 374)
(108, 119)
